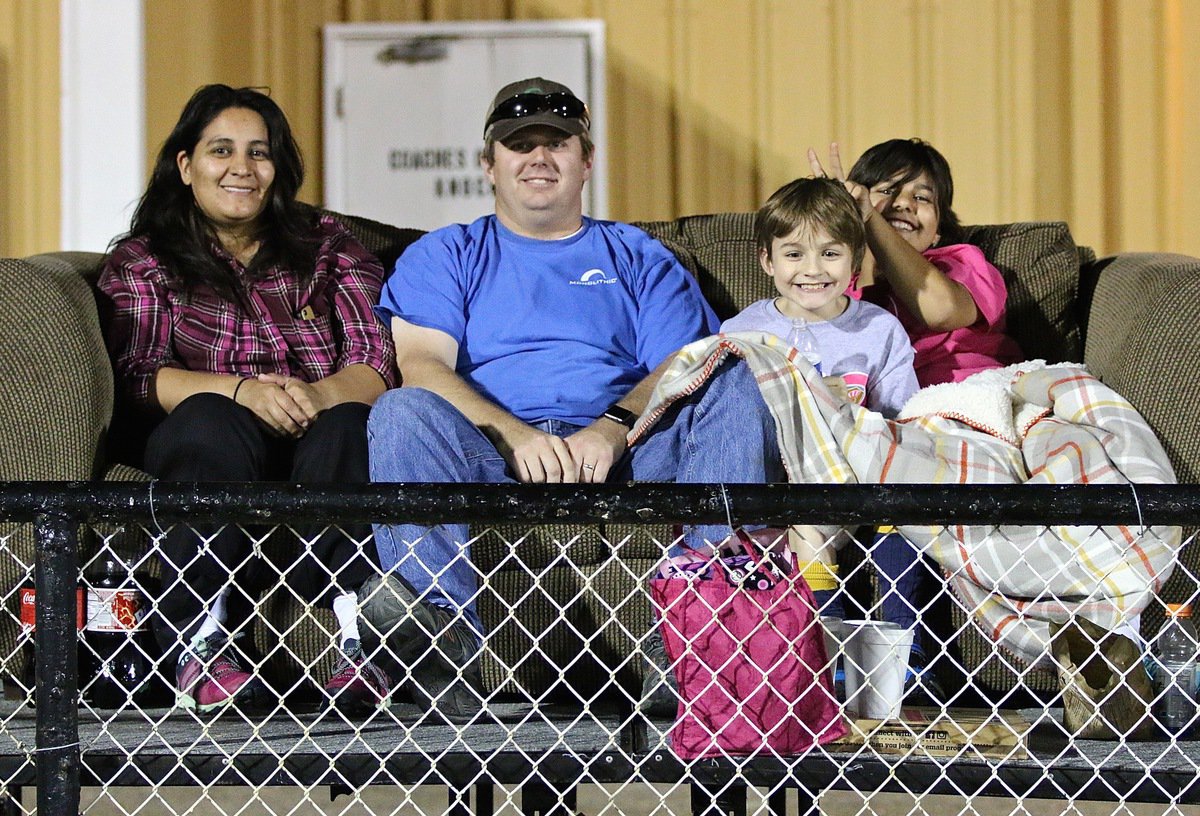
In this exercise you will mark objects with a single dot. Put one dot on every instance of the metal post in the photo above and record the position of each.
(484, 799)
(10, 802)
(459, 802)
(56, 644)
(539, 799)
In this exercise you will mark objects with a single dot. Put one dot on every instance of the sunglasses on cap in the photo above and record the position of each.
(529, 104)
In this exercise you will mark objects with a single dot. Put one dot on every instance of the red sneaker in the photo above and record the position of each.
(210, 677)
(357, 687)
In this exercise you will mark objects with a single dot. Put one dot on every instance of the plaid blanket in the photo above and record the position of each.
(1032, 423)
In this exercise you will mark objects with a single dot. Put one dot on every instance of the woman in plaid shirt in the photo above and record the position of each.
(240, 321)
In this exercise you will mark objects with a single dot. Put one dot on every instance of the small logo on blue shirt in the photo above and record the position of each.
(593, 277)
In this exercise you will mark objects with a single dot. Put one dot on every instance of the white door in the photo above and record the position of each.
(405, 104)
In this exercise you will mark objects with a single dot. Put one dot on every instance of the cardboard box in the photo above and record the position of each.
(971, 733)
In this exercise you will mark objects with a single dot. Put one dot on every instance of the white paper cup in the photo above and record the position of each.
(876, 661)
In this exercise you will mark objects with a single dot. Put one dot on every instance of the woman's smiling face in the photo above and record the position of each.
(230, 169)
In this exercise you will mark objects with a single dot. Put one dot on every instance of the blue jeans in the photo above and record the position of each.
(722, 433)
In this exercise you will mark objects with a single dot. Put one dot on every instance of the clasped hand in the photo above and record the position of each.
(585, 456)
(286, 405)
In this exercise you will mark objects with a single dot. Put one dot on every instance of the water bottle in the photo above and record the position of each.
(1175, 676)
(800, 337)
(118, 662)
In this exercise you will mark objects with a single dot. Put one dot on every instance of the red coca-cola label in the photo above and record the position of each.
(28, 608)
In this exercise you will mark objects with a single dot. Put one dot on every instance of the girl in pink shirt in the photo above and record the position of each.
(951, 301)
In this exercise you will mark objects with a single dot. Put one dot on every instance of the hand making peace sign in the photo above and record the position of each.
(862, 196)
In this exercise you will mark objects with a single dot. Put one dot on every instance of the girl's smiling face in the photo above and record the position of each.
(910, 207)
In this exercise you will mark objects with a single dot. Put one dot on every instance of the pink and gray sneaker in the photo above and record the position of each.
(210, 677)
(357, 687)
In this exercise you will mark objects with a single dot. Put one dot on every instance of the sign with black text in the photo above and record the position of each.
(405, 106)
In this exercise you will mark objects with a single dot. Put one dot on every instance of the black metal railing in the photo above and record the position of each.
(57, 510)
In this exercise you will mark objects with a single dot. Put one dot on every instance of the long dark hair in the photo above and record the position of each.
(180, 234)
(909, 158)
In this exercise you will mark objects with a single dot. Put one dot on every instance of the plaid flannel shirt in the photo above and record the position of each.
(277, 326)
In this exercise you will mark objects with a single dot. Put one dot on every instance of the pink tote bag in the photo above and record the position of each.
(748, 654)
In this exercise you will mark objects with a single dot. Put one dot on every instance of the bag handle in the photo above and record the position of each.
(748, 546)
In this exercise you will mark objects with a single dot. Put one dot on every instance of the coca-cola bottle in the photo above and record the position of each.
(27, 607)
(119, 652)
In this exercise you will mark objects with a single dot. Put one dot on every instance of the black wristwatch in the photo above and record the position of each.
(621, 415)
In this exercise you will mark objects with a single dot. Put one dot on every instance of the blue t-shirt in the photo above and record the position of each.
(556, 329)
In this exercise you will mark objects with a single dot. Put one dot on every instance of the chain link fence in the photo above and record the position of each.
(571, 637)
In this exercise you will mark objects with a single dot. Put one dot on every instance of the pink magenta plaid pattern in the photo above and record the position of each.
(279, 327)
(1066, 428)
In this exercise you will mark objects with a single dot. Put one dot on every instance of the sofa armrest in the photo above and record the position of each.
(1141, 341)
(56, 385)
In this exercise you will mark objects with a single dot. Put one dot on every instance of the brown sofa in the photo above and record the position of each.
(1129, 317)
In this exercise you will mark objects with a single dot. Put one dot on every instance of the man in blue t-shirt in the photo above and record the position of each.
(529, 341)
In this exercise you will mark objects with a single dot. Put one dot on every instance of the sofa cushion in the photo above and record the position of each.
(719, 250)
(1039, 260)
(1040, 263)
(385, 242)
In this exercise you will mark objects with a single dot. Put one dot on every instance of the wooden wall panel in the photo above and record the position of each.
(880, 72)
(1136, 131)
(468, 10)
(30, 204)
(188, 45)
(1085, 131)
(1080, 110)
(968, 113)
(717, 145)
(552, 9)
(1181, 164)
(1047, 168)
(271, 43)
(364, 11)
(642, 169)
(797, 95)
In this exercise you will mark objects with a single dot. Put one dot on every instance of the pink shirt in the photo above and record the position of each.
(951, 356)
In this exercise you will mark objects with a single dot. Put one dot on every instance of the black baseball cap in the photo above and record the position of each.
(535, 101)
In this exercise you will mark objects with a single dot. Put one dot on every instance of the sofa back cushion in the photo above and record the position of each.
(383, 241)
(1039, 260)
(1040, 263)
(719, 250)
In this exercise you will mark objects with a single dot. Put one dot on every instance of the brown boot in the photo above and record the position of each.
(1105, 688)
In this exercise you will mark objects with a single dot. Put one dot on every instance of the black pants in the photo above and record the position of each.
(210, 438)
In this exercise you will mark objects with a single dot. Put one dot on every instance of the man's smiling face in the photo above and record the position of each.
(538, 174)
